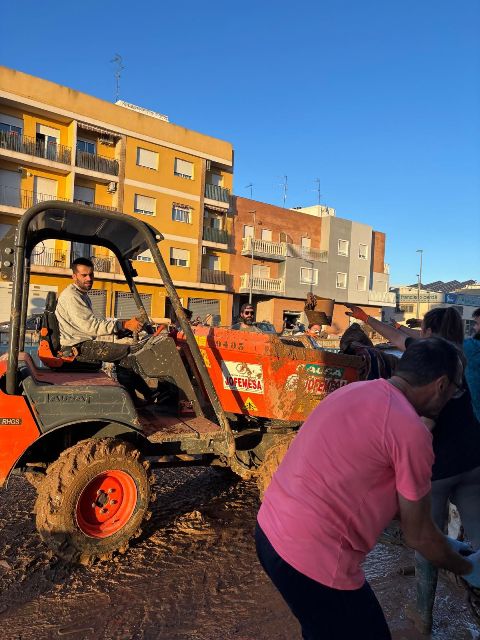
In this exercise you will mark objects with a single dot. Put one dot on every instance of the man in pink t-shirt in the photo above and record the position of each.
(362, 456)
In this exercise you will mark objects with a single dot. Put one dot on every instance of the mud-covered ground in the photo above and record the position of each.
(193, 575)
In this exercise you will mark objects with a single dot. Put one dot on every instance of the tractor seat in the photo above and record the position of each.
(49, 344)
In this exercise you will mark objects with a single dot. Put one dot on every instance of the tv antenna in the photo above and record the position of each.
(250, 186)
(317, 182)
(118, 62)
(284, 184)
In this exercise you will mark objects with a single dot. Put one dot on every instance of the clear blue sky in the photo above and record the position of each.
(378, 99)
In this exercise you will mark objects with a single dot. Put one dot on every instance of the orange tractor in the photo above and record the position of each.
(236, 398)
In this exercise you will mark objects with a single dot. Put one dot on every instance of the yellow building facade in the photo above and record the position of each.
(58, 143)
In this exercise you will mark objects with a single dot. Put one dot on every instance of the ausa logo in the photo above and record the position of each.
(70, 398)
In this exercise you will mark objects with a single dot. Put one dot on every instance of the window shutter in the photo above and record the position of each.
(183, 168)
(145, 204)
(147, 158)
(48, 131)
(85, 194)
(11, 121)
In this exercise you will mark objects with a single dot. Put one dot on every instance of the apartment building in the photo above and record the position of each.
(58, 143)
(283, 254)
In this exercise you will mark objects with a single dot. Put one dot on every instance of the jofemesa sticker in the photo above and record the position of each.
(243, 377)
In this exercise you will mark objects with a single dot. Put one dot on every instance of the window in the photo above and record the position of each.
(341, 280)
(181, 213)
(308, 275)
(261, 271)
(11, 125)
(215, 179)
(213, 263)
(363, 251)
(343, 247)
(361, 283)
(407, 308)
(179, 257)
(146, 256)
(247, 231)
(267, 235)
(306, 242)
(85, 195)
(87, 146)
(183, 169)
(145, 205)
(147, 158)
(47, 139)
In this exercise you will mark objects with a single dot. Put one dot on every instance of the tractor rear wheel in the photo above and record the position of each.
(273, 457)
(93, 500)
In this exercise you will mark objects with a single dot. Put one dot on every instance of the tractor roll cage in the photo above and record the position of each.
(122, 234)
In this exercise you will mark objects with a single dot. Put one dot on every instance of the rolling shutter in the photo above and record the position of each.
(125, 306)
(99, 302)
(202, 307)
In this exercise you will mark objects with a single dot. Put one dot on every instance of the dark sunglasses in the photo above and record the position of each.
(248, 313)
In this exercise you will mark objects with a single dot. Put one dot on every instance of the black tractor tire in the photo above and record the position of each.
(68, 491)
(273, 457)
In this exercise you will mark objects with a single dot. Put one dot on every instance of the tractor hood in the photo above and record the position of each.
(123, 234)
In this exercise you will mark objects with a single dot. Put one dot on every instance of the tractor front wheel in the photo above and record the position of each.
(93, 500)
(273, 457)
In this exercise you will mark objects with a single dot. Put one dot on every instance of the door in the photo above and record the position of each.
(48, 140)
(84, 195)
(10, 188)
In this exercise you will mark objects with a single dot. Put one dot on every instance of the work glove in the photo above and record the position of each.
(473, 578)
(134, 325)
(357, 313)
(458, 546)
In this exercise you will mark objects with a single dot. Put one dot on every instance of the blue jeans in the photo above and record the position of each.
(323, 613)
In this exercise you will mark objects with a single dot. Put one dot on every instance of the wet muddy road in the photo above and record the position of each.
(193, 575)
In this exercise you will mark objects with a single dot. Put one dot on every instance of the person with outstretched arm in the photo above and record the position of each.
(361, 457)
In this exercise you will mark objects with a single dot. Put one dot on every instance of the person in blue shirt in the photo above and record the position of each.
(471, 348)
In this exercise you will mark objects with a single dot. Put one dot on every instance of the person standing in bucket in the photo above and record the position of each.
(362, 456)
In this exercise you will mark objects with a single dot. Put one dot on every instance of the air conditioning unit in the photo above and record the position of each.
(112, 187)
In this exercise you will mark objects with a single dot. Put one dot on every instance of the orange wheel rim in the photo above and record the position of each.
(106, 504)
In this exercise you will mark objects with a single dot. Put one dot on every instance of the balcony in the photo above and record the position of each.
(212, 276)
(94, 204)
(33, 147)
(63, 259)
(216, 235)
(270, 286)
(264, 249)
(12, 197)
(214, 192)
(92, 162)
(306, 253)
(382, 298)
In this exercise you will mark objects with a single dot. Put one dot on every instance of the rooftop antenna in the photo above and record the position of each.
(118, 61)
(284, 184)
(250, 186)
(317, 181)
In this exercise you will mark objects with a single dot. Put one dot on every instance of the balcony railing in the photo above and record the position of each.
(33, 147)
(264, 248)
(95, 204)
(63, 260)
(12, 197)
(212, 276)
(382, 297)
(96, 163)
(265, 285)
(214, 192)
(306, 253)
(216, 235)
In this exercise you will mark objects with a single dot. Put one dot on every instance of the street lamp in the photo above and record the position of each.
(420, 251)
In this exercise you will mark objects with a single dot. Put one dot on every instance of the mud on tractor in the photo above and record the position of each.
(236, 398)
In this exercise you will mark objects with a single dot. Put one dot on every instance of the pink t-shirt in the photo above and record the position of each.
(336, 489)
